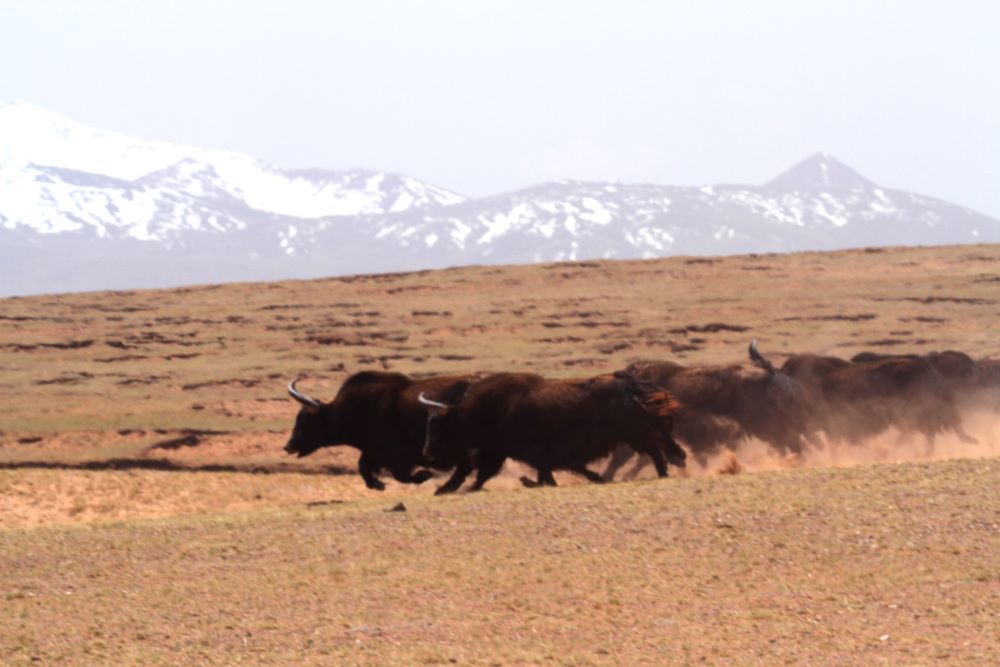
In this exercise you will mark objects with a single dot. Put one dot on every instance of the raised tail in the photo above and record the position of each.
(758, 359)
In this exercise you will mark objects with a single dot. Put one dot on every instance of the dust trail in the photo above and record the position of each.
(889, 447)
(754, 455)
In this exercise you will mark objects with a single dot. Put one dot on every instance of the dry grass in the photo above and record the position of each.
(161, 364)
(219, 357)
(890, 564)
(136, 526)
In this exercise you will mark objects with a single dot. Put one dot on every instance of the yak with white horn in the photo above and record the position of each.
(379, 414)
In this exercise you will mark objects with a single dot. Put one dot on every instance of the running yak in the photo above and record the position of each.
(377, 413)
(548, 424)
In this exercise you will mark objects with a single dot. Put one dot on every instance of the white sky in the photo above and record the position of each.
(483, 96)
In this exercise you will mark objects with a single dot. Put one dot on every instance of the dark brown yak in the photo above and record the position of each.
(855, 400)
(956, 376)
(379, 414)
(721, 405)
(957, 369)
(548, 424)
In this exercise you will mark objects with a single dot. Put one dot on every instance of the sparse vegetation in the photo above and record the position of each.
(139, 524)
(885, 564)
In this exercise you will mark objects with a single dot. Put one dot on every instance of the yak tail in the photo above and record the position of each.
(758, 359)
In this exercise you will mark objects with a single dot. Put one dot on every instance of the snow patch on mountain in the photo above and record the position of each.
(93, 194)
(58, 175)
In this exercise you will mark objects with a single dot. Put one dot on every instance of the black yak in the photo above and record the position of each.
(548, 424)
(855, 400)
(379, 414)
(722, 405)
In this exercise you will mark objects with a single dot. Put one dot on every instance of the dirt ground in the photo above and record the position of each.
(149, 516)
(886, 564)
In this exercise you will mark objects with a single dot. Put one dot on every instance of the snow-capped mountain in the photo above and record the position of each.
(57, 175)
(72, 198)
(817, 204)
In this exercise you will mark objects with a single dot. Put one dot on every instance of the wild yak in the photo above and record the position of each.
(957, 369)
(955, 376)
(855, 400)
(548, 424)
(379, 414)
(721, 405)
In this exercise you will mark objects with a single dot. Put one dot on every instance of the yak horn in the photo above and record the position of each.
(300, 397)
(434, 404)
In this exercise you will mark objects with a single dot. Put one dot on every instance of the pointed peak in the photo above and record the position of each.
(819, 172)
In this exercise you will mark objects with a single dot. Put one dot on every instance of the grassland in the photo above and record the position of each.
(892, 564)
(148, 515)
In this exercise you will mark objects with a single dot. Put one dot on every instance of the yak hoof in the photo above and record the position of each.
(375, 485)
(529, 483)
(421, 476)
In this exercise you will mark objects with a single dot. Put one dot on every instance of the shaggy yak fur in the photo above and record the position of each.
(379, 414)
(550, 425)
(721, 405)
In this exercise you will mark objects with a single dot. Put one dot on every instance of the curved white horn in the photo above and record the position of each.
(300, 397)
(434, 404)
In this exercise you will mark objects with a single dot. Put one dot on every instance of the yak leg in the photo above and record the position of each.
(641, 461)
(964, 436)
(794, 443)
(545, 478)
(407, 477)
(589, 474)
(812, 439)
(488, 467)
(658, 461)
(673, 452)
(368, 470)
(619, 457)
(931, 438)
(455, 481)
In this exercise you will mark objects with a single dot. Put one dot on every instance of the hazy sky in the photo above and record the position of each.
(482, 96)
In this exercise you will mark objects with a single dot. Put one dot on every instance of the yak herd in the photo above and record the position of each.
(474, 423)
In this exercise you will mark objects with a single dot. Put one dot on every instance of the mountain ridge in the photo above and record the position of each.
(249, 219)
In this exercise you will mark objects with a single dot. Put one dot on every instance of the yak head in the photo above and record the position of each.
(315, 425)
(444, 441)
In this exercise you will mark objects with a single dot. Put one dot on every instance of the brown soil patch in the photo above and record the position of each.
(889, 564)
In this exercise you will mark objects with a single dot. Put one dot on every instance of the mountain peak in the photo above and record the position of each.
(819, 172)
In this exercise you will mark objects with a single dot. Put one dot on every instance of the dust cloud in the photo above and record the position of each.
(889, 447)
